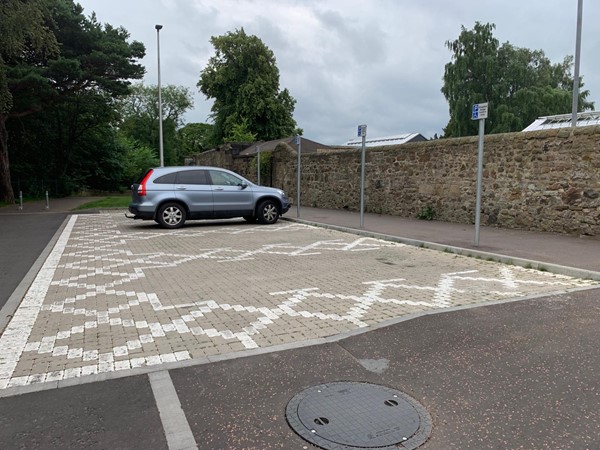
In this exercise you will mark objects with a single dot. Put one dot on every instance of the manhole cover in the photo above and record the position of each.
(351, 415)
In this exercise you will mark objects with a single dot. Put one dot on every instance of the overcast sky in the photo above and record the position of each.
(347, 62)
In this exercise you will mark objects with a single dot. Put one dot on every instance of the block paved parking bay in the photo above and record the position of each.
(115, 294)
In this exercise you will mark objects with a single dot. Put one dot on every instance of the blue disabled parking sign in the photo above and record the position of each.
(479, 111)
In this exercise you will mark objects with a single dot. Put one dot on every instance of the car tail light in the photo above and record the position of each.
(142, 186)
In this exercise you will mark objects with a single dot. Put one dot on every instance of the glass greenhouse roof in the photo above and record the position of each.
(584, 119)
(388, 140)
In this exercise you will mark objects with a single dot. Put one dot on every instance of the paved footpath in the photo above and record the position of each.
(116, 295)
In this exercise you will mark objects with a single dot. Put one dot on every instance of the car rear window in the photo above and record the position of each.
(142, 176)
(166, 179)
(192, 177)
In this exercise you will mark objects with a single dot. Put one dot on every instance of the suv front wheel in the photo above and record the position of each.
(171, 215)
(267, 212)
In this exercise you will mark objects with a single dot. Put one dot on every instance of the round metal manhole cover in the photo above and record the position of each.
(352, 415)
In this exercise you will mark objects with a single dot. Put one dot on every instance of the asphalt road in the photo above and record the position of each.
(22, 239)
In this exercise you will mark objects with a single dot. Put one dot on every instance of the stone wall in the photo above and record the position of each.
(545, 181)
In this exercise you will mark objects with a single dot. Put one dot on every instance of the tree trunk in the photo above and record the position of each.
(6, 190)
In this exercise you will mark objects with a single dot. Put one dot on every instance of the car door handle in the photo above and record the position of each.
(218, 189)
(181, 188)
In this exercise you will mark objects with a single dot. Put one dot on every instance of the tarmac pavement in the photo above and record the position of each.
(509, 375)
(23, 242)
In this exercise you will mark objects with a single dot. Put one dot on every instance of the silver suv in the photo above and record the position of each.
(171, 195)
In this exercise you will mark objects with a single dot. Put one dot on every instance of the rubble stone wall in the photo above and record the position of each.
(545, 181)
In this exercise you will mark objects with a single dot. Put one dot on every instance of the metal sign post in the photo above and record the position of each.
(362, 132)
(258, 164)
(480, 112)
(298, 142)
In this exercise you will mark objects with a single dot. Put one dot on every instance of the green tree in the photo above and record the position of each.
(243, 80)
(519, 84)
(239, 132)
(196, 138)
(71, 144)
(72, 94)
(138, 159)
(140, 117)
(24, 33)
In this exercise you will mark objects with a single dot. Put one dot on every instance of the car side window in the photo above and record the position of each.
(224, 179)
(192, 177)
(166, 179)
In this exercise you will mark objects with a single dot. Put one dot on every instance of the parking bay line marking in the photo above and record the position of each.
(177, 429)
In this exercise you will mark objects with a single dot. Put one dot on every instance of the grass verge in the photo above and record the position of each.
(108, 202)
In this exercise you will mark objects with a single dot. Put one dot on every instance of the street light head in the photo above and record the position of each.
(158, 27)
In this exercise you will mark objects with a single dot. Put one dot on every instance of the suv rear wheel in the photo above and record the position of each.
(171, 215)
(268, 212)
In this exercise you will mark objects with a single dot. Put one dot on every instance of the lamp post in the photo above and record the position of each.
(160, 118)
(575, 107)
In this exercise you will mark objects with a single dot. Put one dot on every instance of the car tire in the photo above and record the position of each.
(171, 215)
(267, 212)
(250, 219)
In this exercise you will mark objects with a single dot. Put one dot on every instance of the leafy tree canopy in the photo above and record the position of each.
(243, 80)
(140, 117)
(143, 101)
(24, 32)
(195, 138)
(137, 159)
(63, 77)
(519, 84)
(239, 133)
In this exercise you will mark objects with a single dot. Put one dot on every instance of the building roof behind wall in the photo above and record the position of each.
(564, 121)
(308, 146)
(388, 140)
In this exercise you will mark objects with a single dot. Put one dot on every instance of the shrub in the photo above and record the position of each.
(426, 213)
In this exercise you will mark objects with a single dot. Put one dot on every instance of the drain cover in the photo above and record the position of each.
(351, 415)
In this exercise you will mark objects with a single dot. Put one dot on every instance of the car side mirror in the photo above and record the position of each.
(243, 185)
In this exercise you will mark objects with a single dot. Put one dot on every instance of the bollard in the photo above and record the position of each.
(47, 201)
(20, 200)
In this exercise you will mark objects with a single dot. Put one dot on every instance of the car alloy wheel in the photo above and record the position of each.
(268, 212)
(171, 215)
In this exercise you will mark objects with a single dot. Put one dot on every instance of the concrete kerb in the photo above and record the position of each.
(488, 256)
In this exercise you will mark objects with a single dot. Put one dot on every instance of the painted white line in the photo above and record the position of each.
(176, 427)
(14, 338)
